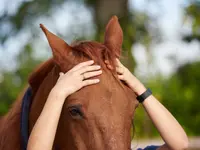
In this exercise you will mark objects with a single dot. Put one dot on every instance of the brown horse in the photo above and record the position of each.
(108, 107)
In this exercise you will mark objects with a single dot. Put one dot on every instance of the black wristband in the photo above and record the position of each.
(144, 95)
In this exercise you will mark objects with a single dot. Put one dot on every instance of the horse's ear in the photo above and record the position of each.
(59, 47)
(114, 36)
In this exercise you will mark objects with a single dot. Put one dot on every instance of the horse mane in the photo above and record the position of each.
(38, 75)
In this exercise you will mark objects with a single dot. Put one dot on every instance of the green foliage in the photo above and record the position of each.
(181, 97)
(26, 14)
(14, 81)
(192, 12)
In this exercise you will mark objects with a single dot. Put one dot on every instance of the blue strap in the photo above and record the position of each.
(24, 120)
(151, 147)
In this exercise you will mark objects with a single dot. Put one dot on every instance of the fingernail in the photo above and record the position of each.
(91, 61)
(97, 80)
(98, 66)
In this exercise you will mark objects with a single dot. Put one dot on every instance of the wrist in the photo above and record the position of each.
(142, 97)
(136, 85)
(139, 89)
(59, 93)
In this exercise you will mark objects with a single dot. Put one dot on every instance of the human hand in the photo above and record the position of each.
(125, 75)
(76, 78)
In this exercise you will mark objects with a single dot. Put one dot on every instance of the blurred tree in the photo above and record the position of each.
(135, 24)
(26, 13)
(192, 13)
(14, 81)
(182, 96)
(136, 27)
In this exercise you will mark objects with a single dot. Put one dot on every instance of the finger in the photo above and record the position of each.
(90, 82)
(110, 67)
(118, 62)
(88, 68)
(92, 74)
(121, 77)
(83, 64)
(106, 61)
(120, 70)
(60, 75)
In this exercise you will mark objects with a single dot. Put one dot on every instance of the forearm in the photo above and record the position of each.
(168, 127)
(43, 133)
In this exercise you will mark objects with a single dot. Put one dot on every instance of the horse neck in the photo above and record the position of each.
(10, 137)
(39, 98)
(10, 126)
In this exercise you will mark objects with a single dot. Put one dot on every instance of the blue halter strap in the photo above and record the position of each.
(24, 120)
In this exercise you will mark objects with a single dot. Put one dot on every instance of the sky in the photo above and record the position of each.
(170, 20)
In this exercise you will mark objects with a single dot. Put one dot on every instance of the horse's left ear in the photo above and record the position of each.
(114, 36)
(60, 48)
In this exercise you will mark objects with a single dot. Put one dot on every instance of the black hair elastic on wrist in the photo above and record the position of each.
(144, 95)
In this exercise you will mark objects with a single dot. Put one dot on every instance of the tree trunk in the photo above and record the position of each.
(103, 11)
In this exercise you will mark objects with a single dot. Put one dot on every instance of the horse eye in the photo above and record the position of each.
(75, 112)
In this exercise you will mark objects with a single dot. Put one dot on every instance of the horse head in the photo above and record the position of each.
(103, 113)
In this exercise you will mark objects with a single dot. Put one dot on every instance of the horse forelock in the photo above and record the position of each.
(94, 50)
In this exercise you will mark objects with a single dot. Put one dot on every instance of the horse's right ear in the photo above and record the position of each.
(114, 36)
(59, 47)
